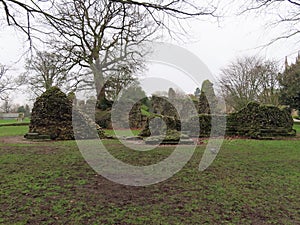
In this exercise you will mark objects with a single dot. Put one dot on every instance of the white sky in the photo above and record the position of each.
(215, 44)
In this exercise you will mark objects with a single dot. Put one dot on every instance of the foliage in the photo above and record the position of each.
(203, 104)
(132, 100)
(24, 109)
(207, 100)
(104, 104)
(103, 118)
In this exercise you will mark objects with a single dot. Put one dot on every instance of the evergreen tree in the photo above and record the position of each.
(290, 83)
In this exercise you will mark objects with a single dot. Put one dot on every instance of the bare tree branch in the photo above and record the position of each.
(7, 84)
(287, 16)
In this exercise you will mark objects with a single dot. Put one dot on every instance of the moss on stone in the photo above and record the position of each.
(52, 115)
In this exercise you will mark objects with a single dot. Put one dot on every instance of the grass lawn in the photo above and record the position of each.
(250, 182)
(13, 130)
(297, 127)
(26, 120)
(122, 132)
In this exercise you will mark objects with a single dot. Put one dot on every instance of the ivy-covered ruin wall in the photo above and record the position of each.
(254, 121)
(257, 120)
(52, 115)
(52, 118)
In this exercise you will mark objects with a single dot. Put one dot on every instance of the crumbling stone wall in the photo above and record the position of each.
(52, 115)
(136, 118)
(258, 120)
(254, 121)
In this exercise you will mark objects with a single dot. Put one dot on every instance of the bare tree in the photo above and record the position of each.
(118, 81)
(102, 36)
(45, 70)
(99, 34)
(6, 83)
(49, 71)
(285, 13)
(21, 13)
(269, 74)
(7, 104)
(249, 79)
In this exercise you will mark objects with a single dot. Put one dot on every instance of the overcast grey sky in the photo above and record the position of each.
(215, 44)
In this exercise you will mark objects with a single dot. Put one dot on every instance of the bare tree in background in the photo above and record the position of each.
(285, 13)
(7, 84)
(249, 79)
(45, 70)
(118, 81)
(6, 106)
(102, 34)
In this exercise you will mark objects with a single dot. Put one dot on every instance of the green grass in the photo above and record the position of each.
(297, 127)
(250, 182)
(122, 132)
(13, 130)
(26, 120)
